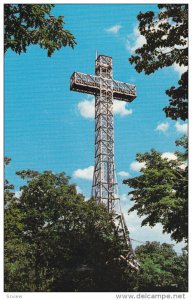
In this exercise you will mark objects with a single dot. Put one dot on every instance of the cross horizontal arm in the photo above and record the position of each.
(84, 83)
(124, 91)
(90, 84)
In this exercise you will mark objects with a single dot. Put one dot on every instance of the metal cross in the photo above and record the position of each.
(105, 90)
(104, 189)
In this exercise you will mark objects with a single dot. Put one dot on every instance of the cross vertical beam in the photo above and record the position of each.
(104, 187)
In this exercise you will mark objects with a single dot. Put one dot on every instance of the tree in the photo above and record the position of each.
(57, 241)
(161, 269)
(160, 193)
(166, 44)
(7, 185)
(13, 246)
(31, 24)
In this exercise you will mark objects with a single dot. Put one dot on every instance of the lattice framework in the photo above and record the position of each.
(105, 189)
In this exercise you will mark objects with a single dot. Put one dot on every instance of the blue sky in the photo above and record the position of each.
(48, 127)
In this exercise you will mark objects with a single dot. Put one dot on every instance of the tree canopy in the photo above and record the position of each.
(57, 241)
(31, 24)
(161, 269)
(166, 34)
(160, 193)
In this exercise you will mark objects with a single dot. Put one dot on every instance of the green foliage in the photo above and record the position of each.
(178, 104)
(166, 44)
(57, 241)
(161, 269)
(183, 142)
(31, 24)
(160, 193)
(8, 195)
(7, 160)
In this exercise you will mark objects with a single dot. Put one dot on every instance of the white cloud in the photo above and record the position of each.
(136, 166)
(87, 108)
(183, 166)
(172, 156)
(146, 233)
(169, 155)
(114, 29)
(119, 108)
(135, 40)
(125, 198)
(179, 69)
(162, 127)
(123, 174)
(18, 194)
(182, 128)
(86, 173)
(79, 190)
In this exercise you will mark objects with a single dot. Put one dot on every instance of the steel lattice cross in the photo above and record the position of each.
(105, 89)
